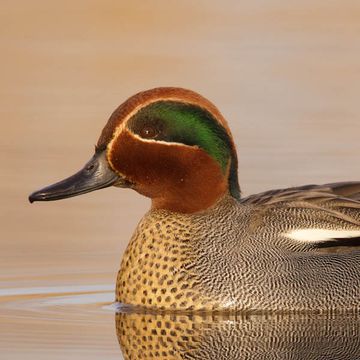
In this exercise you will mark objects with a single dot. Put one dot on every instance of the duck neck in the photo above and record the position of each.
(200, 190)
(189, 202)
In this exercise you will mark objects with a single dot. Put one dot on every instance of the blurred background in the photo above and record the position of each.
(286, 76)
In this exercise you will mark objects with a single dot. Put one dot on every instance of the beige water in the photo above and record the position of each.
(286, 75)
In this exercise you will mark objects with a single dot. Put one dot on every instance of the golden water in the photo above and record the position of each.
(286, 75)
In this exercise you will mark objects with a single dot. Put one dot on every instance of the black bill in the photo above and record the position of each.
(95, 175)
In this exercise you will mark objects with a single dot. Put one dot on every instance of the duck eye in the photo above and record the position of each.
(149, 132)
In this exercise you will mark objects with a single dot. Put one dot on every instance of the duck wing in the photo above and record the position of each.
(317, 215)
(341, 190)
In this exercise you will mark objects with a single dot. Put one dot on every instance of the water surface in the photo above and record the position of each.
(58, 322)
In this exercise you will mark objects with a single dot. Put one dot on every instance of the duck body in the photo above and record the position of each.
(202, 246)
(236, 256)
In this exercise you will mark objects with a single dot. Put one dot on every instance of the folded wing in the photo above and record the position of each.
(317, 215)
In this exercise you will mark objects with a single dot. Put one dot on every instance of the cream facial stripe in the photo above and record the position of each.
(167, 143)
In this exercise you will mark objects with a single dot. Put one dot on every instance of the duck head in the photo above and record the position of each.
(169, 144)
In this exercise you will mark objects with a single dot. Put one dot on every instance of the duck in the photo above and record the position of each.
(202, 246)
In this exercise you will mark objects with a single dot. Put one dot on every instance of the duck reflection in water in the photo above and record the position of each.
(231, 337)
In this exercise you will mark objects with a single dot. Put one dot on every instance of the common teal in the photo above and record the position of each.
(202, 246)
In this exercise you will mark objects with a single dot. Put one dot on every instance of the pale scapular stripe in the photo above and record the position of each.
(317, 235)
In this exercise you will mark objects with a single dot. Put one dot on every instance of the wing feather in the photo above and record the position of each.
(337, 203)
(348, 192)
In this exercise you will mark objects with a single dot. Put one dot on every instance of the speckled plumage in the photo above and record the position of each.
(234, 257)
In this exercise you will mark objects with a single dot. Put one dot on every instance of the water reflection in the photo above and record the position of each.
(216, 336)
